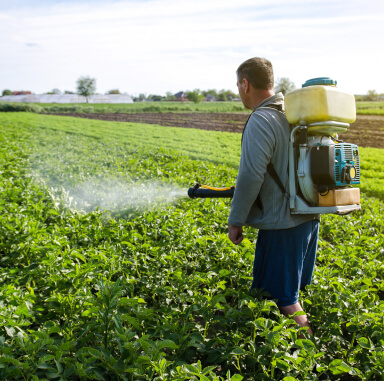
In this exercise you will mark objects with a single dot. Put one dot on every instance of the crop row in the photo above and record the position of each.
(212, 146)
(155, 290)
(366, 108)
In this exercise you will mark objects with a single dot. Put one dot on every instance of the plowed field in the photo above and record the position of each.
(367, 131)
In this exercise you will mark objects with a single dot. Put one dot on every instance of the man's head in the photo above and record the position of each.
(258, 72)
(255, 81)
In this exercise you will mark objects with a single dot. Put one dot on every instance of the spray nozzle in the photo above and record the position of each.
(204, 191)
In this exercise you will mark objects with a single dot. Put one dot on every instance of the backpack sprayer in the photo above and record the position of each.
(322, 169)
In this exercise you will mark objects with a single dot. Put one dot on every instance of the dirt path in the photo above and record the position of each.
(367, 131)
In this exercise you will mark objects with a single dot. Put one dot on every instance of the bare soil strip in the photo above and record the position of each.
(367, 131)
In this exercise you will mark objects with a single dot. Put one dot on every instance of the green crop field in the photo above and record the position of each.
(366, 108)
(370, 108)
(160, 107)
(109, 272)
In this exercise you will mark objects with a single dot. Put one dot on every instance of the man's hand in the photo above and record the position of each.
(235, 233)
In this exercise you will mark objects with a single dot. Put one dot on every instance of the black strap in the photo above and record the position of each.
(278, 107)
(272, 171)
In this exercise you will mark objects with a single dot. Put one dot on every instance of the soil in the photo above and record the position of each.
(367, 131)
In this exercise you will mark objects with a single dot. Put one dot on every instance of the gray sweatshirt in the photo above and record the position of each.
(265, 140)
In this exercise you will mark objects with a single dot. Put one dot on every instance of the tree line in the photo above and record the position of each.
(86, 86)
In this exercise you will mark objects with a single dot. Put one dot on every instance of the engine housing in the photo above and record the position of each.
(327, 164)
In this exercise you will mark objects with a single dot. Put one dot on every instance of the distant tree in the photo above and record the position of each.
(372, 95)
(195, 96)
(86, 86)
(114, 91)
(68, 92)
(284, 85)
(225, 95)
(156, 98)
(169, 96)
(54, 91)
(210, 92)
(7, 92)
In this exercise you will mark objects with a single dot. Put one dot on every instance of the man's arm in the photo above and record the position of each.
(257, 150)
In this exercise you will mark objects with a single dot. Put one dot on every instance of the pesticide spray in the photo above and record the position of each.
(116, 196)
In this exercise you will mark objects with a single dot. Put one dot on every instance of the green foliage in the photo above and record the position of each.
(372, 171)
(284, 85)
(195, 96)
(371, 95)
(212, 146)
(218, 147)
(226, 95)
(169, 96)
(160, 293)
(62, 109)
(159, 107)
(55, 91)
(86, 86)
(20, 107)
(370, 108)
(6, 92)
(114, 91)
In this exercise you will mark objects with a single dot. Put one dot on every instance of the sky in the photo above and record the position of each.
(159, 46)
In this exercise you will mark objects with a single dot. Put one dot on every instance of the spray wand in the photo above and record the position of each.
(204, 191)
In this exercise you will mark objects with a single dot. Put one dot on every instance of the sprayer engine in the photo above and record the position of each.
(325, 165)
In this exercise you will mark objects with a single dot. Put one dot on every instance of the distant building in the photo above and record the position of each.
(210, 98)
(181, 96)
(21, 93)
(66, 98)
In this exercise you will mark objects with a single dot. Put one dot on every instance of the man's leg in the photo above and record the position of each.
(284, 262)
(301, 320)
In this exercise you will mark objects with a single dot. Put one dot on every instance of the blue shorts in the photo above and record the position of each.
(284, 261)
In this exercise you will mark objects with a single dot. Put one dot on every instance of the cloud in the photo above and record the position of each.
(160, 45)
(31, 45)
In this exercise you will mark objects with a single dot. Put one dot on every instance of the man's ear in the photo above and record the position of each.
(245, 84)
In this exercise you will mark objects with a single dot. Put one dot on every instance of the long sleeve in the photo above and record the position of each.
(256, 153)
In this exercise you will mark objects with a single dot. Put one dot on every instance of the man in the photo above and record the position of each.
(286, 244)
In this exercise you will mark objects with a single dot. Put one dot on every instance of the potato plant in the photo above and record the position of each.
(156, 291)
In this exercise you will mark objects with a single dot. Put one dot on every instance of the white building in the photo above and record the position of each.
(67, 98)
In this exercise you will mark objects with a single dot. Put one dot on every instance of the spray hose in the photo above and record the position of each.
(205, 191)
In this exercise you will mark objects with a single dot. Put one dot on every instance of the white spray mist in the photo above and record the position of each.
(116, 196)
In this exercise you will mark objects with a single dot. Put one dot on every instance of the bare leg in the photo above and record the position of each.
(301, 320)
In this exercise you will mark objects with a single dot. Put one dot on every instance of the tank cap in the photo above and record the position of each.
(326, 81)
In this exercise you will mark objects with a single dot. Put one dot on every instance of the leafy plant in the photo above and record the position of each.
(154, 290)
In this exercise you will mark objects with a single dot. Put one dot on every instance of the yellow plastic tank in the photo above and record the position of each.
(318, 101)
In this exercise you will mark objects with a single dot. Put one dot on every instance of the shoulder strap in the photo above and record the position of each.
(245, 126)
(278, 107)
(272, 171)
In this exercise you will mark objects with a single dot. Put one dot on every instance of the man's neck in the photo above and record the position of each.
(259, 96)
